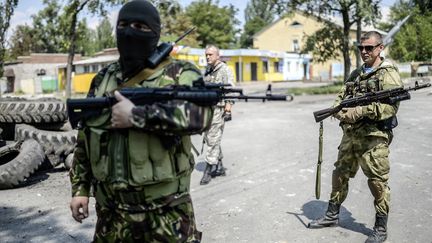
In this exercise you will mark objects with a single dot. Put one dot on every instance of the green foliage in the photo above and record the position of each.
(175, 22)
(48, 29)
(350, 12)
(6, 11)
(325, 44)
(215, 25)
(21, 42)
(258, 14)
(412, 42)
(104, 35)
(327, 89)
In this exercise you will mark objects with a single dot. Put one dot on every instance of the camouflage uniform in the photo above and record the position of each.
(366, 143)
(141, 175)
(213, 137)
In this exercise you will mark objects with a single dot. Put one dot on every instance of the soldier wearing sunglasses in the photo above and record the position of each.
(367, 134)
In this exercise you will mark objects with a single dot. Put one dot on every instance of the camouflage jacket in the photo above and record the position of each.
(220, 74)
(174, 117)
(384, 76)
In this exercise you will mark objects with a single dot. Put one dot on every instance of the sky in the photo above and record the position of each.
(26, 8)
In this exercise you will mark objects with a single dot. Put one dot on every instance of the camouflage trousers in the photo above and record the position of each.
(166, 224)
(213, 137)
(371, 154)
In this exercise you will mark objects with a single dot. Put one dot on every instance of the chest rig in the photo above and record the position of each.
(360, 83)
(134, 158)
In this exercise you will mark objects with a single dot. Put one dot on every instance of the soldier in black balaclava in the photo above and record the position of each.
(138, 31)
(137, 157)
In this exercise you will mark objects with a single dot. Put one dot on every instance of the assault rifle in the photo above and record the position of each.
(388, 96)
(200, 93)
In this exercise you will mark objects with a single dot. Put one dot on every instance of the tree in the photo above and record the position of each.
(72, 10)
(412, 43)
(7, 8)
(47, 31)
(21, 41)
(104, 35)
(350, 12)
(175, 22)
(215, 25)
(87, 42)
(258, 14)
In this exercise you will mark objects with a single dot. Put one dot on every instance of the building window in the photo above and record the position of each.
(79, 69)
(265, 66)
(94, 68)
(86, 68)
(288, 66)
(296, 46)
(295, 24)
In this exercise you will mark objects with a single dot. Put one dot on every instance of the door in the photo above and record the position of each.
(254, 68)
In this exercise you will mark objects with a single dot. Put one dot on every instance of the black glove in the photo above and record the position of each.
(227, 116)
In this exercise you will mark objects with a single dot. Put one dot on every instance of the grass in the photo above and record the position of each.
(327, 89)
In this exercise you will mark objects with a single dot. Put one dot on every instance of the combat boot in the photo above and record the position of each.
(220, 170)
(379, 233)
(331, 217)
(207, 175)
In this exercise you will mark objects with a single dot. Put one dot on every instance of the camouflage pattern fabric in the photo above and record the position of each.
(213, 137)
(365, 144)
(166, 224)
(171, 119)
(220, 74)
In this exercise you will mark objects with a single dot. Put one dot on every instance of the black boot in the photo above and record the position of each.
(220, 170)
(207, 175)
(331, 217)
(379, 233)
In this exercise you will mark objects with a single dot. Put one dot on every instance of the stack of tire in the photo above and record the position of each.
(36, 135)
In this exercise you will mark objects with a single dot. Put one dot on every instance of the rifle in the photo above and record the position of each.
(318, 172)
(388, 96)
(200, 93)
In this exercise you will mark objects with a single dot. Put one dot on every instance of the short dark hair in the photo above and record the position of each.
(370, 34)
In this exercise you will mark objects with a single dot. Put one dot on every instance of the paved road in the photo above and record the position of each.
(268, 194)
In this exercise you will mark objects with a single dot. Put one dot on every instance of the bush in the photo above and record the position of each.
(327, 89)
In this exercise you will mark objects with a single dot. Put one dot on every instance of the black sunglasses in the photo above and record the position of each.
(368, 48)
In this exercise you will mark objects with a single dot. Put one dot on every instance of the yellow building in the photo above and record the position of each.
(289, 35)
(247, 65)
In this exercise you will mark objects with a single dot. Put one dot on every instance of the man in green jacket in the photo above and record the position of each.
(367, 134)
(138, 158)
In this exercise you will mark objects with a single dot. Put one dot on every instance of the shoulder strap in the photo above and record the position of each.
(143, 75)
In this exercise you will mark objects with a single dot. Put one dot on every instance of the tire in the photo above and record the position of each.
(38, 111)
(56, 145)
(18, 161)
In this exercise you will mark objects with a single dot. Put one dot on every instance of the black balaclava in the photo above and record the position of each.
(136, 46)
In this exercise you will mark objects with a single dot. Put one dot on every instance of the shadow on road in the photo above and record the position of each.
(33, 224)
(39, 176)
(200, 166)
(316, 209)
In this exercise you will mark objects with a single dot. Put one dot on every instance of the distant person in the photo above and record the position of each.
(216, 72)
(367, 134)
(138, 157)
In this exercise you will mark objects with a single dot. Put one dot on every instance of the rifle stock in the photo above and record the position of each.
(323, 114)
